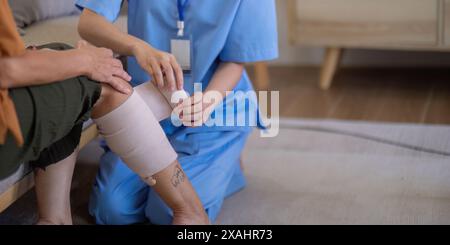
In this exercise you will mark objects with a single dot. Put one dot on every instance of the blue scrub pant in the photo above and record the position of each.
(211, 160)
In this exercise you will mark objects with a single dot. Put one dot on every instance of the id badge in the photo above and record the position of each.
(182, 49)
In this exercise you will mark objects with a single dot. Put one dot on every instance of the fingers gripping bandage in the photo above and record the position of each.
(133, 132)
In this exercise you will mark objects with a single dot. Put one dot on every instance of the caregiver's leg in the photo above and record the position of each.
(171, 183)
(53, 192)
(119, 195)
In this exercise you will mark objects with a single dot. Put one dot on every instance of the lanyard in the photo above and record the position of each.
(180, 23)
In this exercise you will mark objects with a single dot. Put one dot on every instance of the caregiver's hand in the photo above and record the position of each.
(162, 66)
(197, 109)
(104, 68)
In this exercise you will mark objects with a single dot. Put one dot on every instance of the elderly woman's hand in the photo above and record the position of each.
(101, 66)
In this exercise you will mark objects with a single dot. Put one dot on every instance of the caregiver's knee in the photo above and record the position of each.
(109, 100)
(112, 208)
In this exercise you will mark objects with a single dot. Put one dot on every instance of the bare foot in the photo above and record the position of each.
(43, 221)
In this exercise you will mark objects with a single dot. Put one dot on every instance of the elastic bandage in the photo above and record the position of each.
(133, 132)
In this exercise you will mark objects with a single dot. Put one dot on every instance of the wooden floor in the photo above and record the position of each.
(414, 95)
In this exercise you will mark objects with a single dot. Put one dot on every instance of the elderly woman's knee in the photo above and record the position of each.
(109, 100)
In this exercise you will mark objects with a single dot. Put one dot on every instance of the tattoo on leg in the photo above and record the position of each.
(177, 177)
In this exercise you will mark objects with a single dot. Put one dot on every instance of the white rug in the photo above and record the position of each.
(311, 177)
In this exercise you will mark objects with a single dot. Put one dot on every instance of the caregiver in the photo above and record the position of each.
(209, 41)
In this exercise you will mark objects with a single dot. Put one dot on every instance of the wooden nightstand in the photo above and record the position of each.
(422, 25)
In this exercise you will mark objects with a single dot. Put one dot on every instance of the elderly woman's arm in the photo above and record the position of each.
(35, 67)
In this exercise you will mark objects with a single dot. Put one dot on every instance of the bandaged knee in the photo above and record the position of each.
(133, 132)
(161, 103)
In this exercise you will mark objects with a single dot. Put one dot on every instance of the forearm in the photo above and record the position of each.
(98, 31)
(42, 67)
(226, 77)
(161, 66)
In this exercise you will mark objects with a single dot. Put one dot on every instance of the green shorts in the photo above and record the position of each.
(51, 118)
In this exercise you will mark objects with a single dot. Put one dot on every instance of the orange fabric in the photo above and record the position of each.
(10, 45)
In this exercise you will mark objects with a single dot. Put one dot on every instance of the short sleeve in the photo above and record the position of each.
(110, 9)
(253, 35)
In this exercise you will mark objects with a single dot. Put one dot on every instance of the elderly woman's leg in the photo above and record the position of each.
(53, 192)
(132, 131)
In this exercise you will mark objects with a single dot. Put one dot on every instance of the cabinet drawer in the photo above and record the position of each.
(364, 22)
(446, 24)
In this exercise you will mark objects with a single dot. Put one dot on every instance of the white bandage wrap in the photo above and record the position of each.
(133, 132)
(160, 102)
(155, 100)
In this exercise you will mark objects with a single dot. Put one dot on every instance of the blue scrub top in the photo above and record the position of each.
(222, 31)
